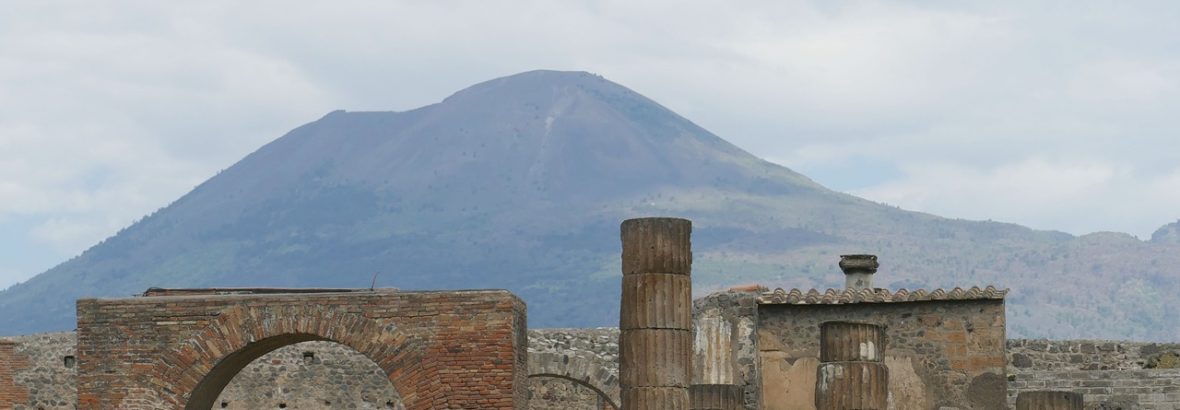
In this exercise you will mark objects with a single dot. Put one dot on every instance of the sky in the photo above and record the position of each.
(1058, 115)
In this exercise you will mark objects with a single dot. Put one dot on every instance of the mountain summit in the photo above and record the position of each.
(521, 182)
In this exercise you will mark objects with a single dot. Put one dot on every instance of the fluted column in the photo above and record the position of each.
(716, 397)
(655, 318)
(851, 374)
(1049, 400)
(858, 271)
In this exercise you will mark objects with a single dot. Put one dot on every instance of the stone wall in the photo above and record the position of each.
(587, 359)
(600, 345)
(939, 353)
(1111, 374)
(1026, 355)
(1107, 389)
(310, 375)
(552, 393)
(337, 374)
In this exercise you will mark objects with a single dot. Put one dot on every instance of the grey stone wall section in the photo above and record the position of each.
(1107, 389)
(1110, 373)
(1025, 355)
(310, 375)
(588, 356)
(553, 393)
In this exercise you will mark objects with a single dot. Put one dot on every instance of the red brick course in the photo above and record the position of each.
(10, 363)
(462, 350)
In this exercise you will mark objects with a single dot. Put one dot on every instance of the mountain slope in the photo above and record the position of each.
(520, 183)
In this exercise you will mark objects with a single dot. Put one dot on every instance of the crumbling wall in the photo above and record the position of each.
(437, 348)
(310, 375)
(939, 353)
(566, 365)
(1107, 372)
(552, 393)
(47, 376)
(333, 374)
(1025, 355)
(1106, 389)
(725, 343)
(1111, 374)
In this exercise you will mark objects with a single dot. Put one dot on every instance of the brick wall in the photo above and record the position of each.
(334, 374)
(941, 353)
(11, 393)
(440, 349)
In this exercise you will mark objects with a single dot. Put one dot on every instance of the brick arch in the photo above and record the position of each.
(197, 369)
(597, 374)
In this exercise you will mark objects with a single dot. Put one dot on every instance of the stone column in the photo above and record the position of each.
(1049, 400)
(858, 271)
(716, 397)
(851, 374)
(655, 318)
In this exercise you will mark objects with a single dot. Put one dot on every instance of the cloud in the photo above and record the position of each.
(107, 116)
(111, 111)
(69, 234)
(1039, 193)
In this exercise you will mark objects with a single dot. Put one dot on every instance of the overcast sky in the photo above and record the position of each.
(1057, 115)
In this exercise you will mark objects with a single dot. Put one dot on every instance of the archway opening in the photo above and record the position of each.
(553, 392)
(296, 371)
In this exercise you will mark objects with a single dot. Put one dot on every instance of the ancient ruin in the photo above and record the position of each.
(463, 349)
(1049, 400)
(655, 319)
(851, 374)
(745, 348)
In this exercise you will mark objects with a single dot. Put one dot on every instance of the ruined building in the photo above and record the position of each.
(942, 348)
(747, 348)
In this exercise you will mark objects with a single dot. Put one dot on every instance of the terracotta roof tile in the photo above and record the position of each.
(849, 296)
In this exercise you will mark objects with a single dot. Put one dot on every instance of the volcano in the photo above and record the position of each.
(520, 183)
